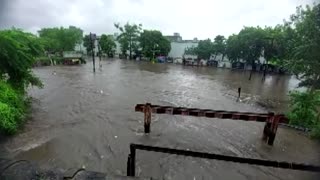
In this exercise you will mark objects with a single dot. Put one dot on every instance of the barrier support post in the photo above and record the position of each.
(147, 117)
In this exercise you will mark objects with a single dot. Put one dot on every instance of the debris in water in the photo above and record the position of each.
(101, 91)
(83, 166)
(116, 137)
(101, 156)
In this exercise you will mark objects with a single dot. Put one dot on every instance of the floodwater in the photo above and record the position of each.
(82, 119)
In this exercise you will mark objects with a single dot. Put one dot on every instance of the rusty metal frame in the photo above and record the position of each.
(272, 121)
(260, 162)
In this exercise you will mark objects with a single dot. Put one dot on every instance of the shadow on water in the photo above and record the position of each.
(87, 120)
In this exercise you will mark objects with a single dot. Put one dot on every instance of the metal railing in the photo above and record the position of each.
(260, 162)
(271, 120)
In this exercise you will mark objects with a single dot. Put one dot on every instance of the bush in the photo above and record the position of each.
(304, 110)
(9, 119)
(12, 108)
(315, 133)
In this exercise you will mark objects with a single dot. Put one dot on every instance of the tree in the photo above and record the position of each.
(304, 54)
(219, 46)
(60, 39)
(204, 49)
(190, 50)
(251, 42)
(233, 48)
(153, 43)
(129, 37)
(107, 44)
(302, 35)
(88, 44)
(18, 52)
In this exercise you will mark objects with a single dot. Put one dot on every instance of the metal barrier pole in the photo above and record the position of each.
(147, 117)
(129, 166)
(273, 130)
(133, 160)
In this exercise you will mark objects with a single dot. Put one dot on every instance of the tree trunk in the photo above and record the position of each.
(250, 75)
(265, 69)
(130, 49)
(222, 57)
(252, 63)
(215, 56)
(51, 61)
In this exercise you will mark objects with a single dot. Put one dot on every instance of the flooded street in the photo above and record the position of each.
(82, 119)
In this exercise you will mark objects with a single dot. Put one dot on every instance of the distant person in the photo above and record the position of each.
(183, 61)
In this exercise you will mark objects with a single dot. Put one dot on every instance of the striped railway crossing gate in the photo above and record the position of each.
(271, 120)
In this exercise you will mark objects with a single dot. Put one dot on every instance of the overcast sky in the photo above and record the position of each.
(191, 18)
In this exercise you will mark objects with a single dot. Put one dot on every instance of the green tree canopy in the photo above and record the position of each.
(233, 48)
(219, 46)
(107, 44)
(304, 52)
(251, 41)
(153, 43)
(87, 43)
(129, 37)
(17, 53)
(60, 39)
(203, 50)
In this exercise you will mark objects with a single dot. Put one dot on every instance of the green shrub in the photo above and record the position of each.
(12, 108)
(304, 110)
(315, 133)
(9, 119)
(10, 96)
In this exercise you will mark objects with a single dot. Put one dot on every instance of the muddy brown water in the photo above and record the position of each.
(82, 119)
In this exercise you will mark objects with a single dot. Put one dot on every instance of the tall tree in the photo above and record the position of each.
(204, 49)
(18, 52)
(219, 46)
(251, 41)
(154, 43)
(304, 58)
(107, 44)
(60, 39)
(233, 48)
(129, 37)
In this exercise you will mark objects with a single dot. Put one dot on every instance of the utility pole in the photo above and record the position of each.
(92, 38)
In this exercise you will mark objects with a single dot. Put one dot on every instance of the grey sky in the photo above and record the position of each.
(200, 18)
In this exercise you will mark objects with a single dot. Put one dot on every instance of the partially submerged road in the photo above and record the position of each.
(81, 119)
